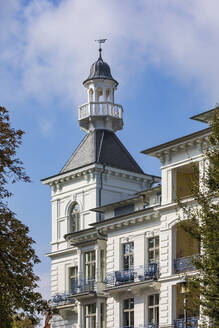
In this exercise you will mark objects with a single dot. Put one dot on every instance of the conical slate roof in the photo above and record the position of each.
(103, 147)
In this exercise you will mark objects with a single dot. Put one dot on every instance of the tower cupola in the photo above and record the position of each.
(100, 70)
(100, 112)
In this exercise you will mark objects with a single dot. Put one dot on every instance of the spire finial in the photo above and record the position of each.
(100, 49)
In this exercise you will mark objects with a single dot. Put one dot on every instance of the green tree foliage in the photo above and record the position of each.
(17, 257)
(22, 322)
(203, 224)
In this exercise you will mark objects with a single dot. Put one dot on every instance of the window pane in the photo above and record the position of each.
(150, 315)
(131, 318)
(151, 243)
(132, 247)
(126, 248)
(131, 261)
(157, 314)
(151, 255)
(126, 304)
(93, 255)
(156, 241)
(131, 303)
(151, 300)
(156, 298)
(125, 318)
(156, 255)
(93, 308)
(93, 322)
(126, 263)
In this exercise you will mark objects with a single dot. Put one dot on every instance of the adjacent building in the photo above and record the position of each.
(117, 253)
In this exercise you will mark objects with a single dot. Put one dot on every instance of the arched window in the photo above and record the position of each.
(99, 95)
(107, 94)
(74, 218)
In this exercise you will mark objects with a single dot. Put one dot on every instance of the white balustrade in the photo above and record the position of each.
(100, 109)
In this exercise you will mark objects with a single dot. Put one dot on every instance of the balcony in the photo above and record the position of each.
(82, 285)
(61, 299)
(100, 109)
(105, 114)
(192, 322)
(150, 325)
(135, 275)
(184, 264)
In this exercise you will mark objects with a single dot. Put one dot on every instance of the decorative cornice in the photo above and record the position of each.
(165, 151)
(90, 173)
(126, 221)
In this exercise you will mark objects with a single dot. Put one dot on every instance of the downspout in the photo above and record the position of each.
(101, 175)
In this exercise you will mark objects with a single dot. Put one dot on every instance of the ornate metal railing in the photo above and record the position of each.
(62, 299)
(150, 325)
(138, 274)
(184, 264)
(100, 109)
(192, 322)
(83, 285)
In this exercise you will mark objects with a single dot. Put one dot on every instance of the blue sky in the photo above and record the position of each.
(163, 53)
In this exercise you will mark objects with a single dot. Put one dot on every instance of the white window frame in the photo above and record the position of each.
(153, 249)
(129, 311)
(72, 276)
(89, 316)
(128, 255)
(90, 266)
(154, 307)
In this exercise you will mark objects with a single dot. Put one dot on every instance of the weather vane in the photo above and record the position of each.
(100, 41)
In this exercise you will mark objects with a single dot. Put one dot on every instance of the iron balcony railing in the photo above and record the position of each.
(192, 322)
(184, 264)
(62, 299)
(104, 108)
(83, 285)
(150, 325)
(138, 274)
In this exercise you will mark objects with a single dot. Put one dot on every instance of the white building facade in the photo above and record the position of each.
(117, 254)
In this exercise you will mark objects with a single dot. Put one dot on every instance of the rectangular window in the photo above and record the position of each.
(153, 309)
(90, 265)
(90, 316)
(73, 276)
(128, 312)
(128, 256)
(153, 250)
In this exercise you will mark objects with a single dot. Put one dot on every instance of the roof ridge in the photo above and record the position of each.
(128, 153)
(100, 147)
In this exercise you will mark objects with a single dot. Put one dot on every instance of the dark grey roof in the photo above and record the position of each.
(100, 70)
(103, 147)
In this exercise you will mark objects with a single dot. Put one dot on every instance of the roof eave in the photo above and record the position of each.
(153, 151)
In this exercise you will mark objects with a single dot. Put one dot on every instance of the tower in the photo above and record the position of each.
(100, 171)
(100, 112)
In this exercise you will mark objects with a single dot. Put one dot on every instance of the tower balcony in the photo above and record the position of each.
(100, 115)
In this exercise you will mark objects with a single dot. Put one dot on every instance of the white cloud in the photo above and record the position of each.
(47, 50)
(46, 126)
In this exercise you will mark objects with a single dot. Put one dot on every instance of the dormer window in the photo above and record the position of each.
(75, 218)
